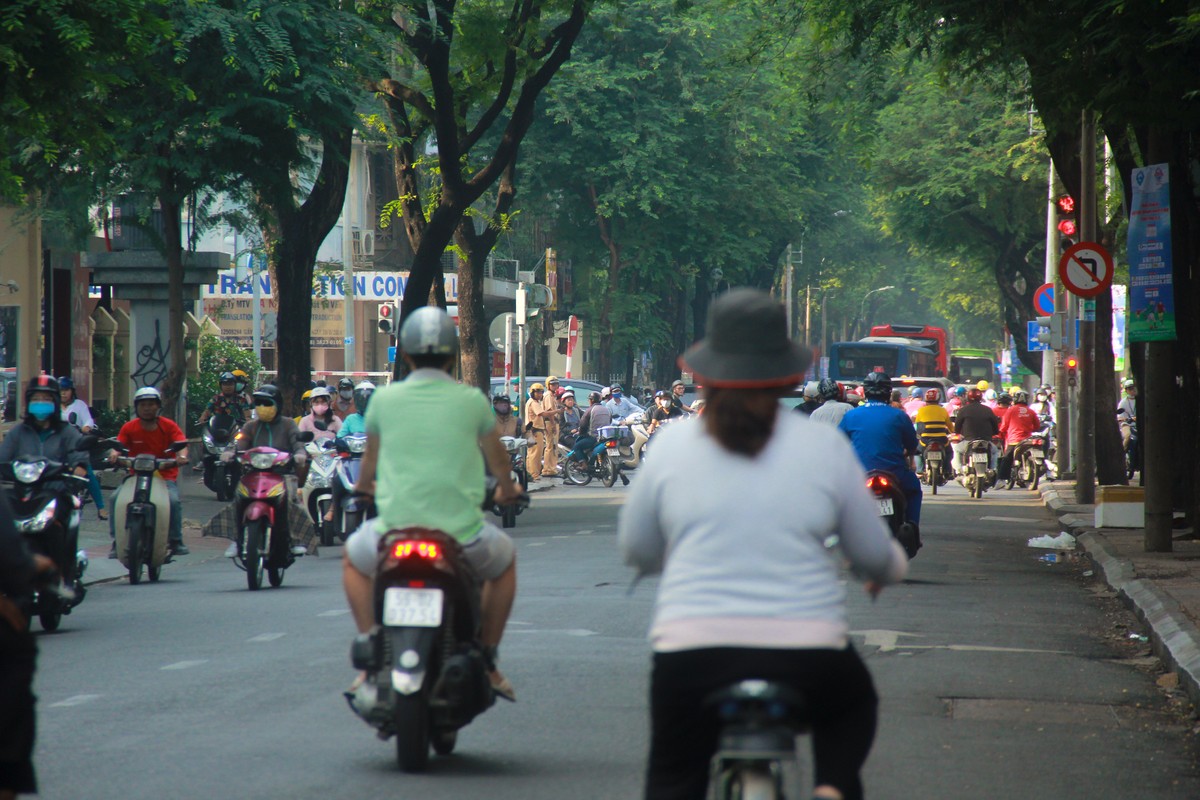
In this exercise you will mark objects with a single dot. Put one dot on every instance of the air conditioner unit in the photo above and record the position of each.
(363, 242)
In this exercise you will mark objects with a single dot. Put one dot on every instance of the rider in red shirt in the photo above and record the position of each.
(1016, 425)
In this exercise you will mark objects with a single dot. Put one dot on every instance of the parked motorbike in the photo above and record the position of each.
(634, 435)
(759, 724)
(934, 474)
(317, 493)
(427, 673)
(1133, 448)
(353, 508)
(142, 512)
(516, 447)
(604, 462)
(893, 507)
(976, 476)
(220, 475)
(264, 492)
(45, 498)
(1028, 463)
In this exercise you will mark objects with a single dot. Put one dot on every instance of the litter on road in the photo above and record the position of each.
(1064, 541)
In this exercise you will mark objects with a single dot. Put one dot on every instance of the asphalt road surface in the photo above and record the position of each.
(1001, 676)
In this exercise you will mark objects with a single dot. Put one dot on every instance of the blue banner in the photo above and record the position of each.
(1151, 292)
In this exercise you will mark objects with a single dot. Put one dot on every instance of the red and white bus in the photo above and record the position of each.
(930, 336)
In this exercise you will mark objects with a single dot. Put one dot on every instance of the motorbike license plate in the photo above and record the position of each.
(886, 506)
(979, 458)
(934, 455)
(412, 608)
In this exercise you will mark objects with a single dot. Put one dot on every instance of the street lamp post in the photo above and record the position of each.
(862, 307)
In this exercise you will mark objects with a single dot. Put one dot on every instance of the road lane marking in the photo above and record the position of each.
(584, 532)
(77, 700)
(887, 641)
(337, 612)
(185, 664)
(580, 632)
(266, 637)
(1007, 519)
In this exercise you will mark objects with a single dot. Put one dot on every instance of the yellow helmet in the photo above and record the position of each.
(982, 386)
(306, 395)
(537, 387)
(551, 379)
(240, 373)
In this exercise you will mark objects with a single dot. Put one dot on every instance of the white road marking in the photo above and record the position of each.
(584, 532)
(77, 700)
(533, 544)
(567, 631)
(337, 612)
(887, 641)
(266, 637)
(185, 664)
(515, 622)
(1007, 519)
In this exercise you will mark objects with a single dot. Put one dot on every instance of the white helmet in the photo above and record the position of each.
(429, 331)
(812, 390)
(989, 394)
(147, 393)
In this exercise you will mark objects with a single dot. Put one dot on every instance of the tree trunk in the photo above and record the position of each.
(472, 319)
(293, 236)
(172, 385)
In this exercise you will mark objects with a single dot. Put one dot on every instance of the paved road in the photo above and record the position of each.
(999, 674)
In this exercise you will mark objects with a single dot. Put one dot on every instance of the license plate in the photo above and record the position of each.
(934, 455)
(412, 608)
(885, 506)
(1036, 456)
(979, 458)
(612, 448)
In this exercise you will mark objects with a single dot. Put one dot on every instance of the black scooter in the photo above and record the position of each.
(45, 497)
(220, 476)
(427, 674)
(893, 508)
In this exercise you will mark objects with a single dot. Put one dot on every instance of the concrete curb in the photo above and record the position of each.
(1173, 636)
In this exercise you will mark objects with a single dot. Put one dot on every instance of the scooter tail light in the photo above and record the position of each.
(877, 483)
(417, 549)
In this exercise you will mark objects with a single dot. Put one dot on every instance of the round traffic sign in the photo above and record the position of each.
(1043, 299)
(496, 330)
(1086, 269)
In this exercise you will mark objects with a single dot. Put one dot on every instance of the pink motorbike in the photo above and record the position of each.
(262, 506)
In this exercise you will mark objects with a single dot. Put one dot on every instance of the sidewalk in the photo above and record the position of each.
(1163, 589)
(199, 506)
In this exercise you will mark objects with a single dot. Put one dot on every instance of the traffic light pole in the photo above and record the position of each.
(1063, 403)
(1085, 474)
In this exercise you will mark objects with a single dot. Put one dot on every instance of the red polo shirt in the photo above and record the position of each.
(156, 441)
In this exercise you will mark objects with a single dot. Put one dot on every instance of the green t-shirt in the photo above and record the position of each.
(430, 468)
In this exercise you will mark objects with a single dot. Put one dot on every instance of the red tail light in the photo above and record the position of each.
(428, 550)
(878, 483)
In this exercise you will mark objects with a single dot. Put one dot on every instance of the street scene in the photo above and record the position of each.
(599, 399)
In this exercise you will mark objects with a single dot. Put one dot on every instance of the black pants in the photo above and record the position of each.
(17, 658)
(683, 733)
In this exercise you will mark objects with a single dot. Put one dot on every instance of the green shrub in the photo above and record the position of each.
(216, 356)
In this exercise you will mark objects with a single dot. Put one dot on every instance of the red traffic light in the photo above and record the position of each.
(385, 311)
(1066, 204)
(1067, 227)
(1072, 363)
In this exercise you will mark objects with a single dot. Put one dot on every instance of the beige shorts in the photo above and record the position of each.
(490, 553)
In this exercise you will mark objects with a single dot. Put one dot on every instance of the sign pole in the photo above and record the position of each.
(1085, 476)
(1049, 356)
(520, 320)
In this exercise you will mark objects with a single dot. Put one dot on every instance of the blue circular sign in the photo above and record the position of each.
(1043, 299)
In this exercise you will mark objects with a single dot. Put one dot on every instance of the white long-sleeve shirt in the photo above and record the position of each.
(741, 541)
(83, 417)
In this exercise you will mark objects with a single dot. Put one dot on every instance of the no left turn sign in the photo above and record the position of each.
(1086, 269)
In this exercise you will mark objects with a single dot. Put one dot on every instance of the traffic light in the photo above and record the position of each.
(1052, 328)
(387, 318)
(1072, 371)
(1066, 220)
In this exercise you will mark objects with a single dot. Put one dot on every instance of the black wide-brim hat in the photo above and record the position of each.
(747, 346)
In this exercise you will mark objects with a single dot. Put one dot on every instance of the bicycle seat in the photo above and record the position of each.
(759, 701)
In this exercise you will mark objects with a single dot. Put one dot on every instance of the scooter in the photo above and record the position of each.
(893, 508)
(934, 474)
(427, 673)
(351, 509)
(142, 512)
(515, 446)
(1133, 448)
(977, 477)
(262, 494)
(47, 518)
(220, 475)
(317, 493)
(1029, 463)
(604, 462)
(632, 442)
(759, 724)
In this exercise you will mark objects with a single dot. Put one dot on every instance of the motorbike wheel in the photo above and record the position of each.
(325, 529)
(1037, 476)
(412, 732)
(153, 572)
(444, 741)
(578, 472)
(508, 517)
(978, 489)
(932, 477)
(135, 552)
(609, 470)
(52, 613)
(256, 534)
(752, 784)
(275, 577)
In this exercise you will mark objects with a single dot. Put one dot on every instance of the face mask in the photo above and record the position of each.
(240, 387)
(503, 408)
(41, 409)
(616, 395)
(320, 408)
(265, 413)
(346, 394)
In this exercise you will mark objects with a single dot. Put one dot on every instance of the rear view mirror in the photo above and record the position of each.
(177, 446)
(306, 436)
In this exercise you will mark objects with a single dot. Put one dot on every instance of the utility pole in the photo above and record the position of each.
(1085, 475)
(787, 292)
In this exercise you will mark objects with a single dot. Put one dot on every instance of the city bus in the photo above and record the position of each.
(971, 365)
(930, 336)
(894, 355)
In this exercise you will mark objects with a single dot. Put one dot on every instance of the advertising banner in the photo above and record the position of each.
(1151, 292)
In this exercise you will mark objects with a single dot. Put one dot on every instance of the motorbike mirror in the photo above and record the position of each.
(320, 425)
(73, 418)
(88, 441)
(177, 446)
(306, 436)
(115, 444)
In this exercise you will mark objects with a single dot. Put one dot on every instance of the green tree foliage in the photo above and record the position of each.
(217, 356)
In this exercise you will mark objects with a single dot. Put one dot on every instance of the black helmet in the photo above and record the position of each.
(877, 386)
(44, 383)
(362, 396)
(593, 397)
(1021, 396)
(227, 377)
(827, 389)
(661, 393)
(65, 383)
(345, 383)
(501, 398)
(268, 392)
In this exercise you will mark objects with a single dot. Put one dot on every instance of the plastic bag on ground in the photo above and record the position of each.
(1064, 541)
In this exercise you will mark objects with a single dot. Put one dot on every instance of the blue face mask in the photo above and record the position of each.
(41, 409)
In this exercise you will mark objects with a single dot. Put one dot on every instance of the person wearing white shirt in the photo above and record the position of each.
(620, 405)
(77, 413)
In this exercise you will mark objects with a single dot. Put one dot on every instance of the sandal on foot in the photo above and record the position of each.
(502, 687)
(102, 514)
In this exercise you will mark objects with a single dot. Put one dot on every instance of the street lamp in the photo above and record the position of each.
(862, 307)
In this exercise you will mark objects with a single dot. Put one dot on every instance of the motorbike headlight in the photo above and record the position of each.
(144, 463)
(39, 521)
(28, 471)
(262, 460)
(356, 444)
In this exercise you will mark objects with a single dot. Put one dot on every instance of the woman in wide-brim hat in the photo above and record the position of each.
(734, 516)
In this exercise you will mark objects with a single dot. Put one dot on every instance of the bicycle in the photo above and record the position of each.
(759, 724)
